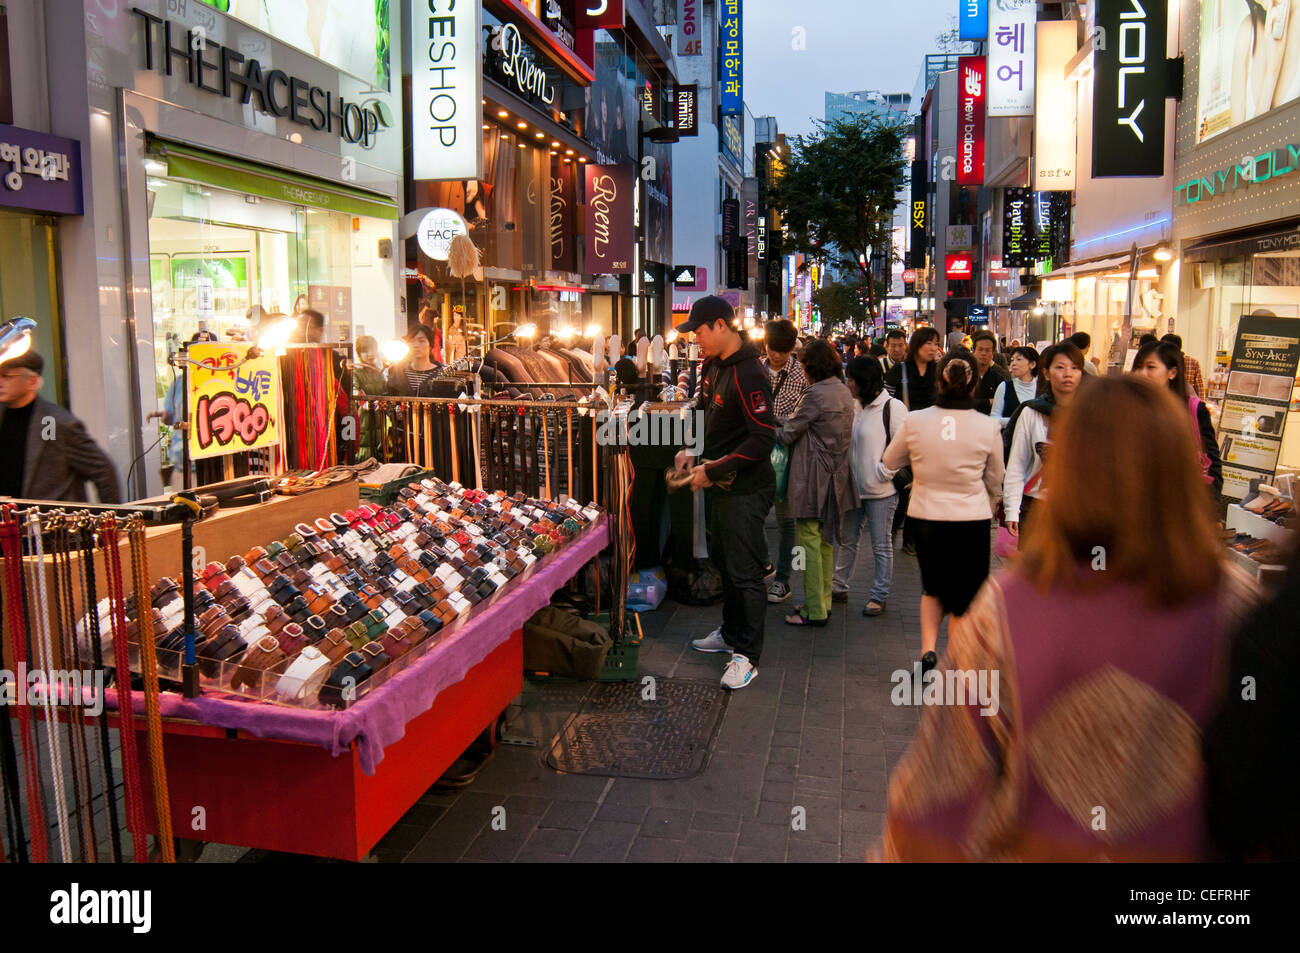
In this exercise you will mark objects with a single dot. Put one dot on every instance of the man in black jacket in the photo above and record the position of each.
(45, 452)
(984, 346)
(739, 431)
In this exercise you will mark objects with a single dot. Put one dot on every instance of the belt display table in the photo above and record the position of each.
(332, 783)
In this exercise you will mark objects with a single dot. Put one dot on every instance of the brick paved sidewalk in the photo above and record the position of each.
(815, 730)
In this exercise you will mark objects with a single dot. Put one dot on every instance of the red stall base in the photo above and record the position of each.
(294, 797)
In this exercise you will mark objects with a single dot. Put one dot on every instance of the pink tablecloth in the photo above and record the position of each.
(380, 718)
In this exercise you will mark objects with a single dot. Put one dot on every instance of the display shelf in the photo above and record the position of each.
(1244, 521)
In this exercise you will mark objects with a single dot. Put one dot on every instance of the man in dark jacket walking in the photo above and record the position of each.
(739, 431)
(45, 452)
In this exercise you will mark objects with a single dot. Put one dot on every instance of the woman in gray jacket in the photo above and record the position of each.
(821, 484)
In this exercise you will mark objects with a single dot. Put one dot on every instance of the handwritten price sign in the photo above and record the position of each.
(233, 406)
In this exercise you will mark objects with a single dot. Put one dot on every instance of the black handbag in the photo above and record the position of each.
(903, 478)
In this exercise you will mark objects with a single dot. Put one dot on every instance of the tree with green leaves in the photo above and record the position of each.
(838, 193)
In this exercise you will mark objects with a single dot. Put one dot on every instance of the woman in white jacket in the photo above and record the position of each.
(1023, 483)
(956, 457)
(876, 419)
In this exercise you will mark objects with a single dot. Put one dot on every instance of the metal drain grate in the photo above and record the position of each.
(617, 733)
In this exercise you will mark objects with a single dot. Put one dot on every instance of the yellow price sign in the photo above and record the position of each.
(233, 404)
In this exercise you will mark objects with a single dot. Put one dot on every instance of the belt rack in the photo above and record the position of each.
(183, 509)
(538, 447)
(49, 566)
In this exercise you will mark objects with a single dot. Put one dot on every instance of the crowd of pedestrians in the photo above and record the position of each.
(1106, 626)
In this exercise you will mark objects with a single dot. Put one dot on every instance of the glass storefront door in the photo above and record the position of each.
(226, 263)
(29, 288)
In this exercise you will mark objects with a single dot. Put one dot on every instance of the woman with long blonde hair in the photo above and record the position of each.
(1096, 656)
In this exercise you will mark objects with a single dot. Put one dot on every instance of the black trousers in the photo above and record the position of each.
(900, 516)
(738, 547)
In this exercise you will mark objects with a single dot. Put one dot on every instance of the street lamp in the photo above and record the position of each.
(15, 337)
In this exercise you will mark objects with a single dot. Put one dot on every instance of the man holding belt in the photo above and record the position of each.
(739, 431)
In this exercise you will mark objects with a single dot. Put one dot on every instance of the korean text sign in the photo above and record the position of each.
(730, 57)
(1011, 57)
(232, 408)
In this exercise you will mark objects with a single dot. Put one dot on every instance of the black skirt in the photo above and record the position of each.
(954, 558)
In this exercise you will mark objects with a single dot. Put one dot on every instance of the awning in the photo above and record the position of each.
(252, 178)
(1260, 242)
(1087, 267)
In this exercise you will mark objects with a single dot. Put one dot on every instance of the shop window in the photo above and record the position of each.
(29, 270)
(223, 262)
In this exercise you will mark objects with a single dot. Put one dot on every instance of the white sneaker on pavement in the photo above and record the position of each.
(739, 673)
(713, 642)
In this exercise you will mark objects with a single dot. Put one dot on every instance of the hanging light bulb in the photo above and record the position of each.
(396, 350)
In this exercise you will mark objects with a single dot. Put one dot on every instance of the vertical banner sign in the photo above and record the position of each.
(1016, 229)
(688, 110)
(973, 20)
(446, 93)
(732, 244)
(610, 198)
(730, 56)
(1260, 382)
(690, 38)
(919, 197)
(1055, 113)
(1043, 226)
(730, 223)
(561, 217)
(1011, 57)
(1128, 100)
(232, 409)
(970, 120)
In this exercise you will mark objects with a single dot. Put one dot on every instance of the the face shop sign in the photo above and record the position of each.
(513, 60)
(172, 50)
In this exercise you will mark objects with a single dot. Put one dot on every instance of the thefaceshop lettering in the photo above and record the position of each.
(133, 908)
(1273, 164)
(442, 106)
(219, 69)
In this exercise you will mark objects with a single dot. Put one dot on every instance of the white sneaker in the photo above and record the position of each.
(739, 673)
(778, 592)
(713, 642)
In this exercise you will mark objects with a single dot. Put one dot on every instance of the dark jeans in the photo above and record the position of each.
(738, 549)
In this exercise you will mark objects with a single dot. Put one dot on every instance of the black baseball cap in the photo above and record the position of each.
(707, 310)
(28, 360)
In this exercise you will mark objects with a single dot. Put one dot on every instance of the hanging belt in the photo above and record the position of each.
(90, 599)
(45, 660)
(81, 783)
(153, 715)
(13, 553)
(125, 708)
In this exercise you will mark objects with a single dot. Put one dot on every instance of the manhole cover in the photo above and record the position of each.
(622, 734)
